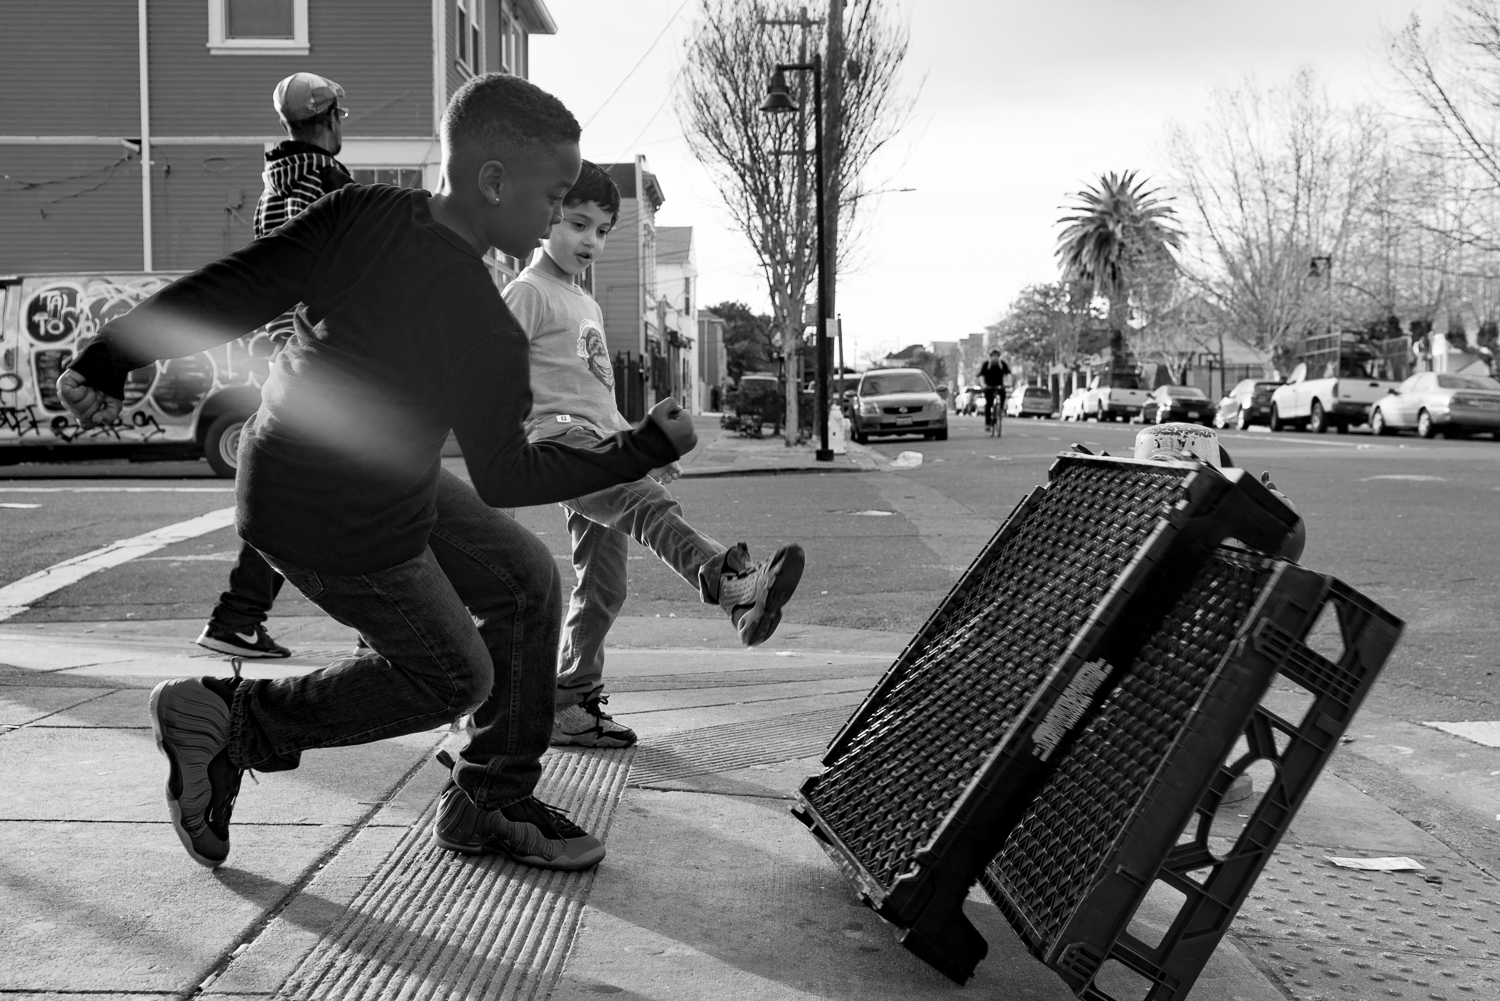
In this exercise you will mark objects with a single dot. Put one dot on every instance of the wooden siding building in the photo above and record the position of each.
(91, 83)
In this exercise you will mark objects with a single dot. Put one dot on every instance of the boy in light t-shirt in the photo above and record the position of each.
(573, 399)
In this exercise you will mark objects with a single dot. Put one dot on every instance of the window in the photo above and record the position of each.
(257, 27)
(468, 47)
(401, 177)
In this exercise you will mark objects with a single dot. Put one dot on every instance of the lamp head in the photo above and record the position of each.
(778, 98)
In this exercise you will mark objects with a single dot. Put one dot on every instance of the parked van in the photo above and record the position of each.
(192, 406)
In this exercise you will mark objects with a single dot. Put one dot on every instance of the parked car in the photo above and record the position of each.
(1029, 401)
(1121, 400)
(1340, 402)
(1177, 403)
(1439, 402)
(892, 401)
(969, 400)
(1249, 402)
(191, 406)
(1072, 407)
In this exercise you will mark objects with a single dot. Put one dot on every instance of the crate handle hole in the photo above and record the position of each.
(1155, 914)
(1326, 637)
(1119, 982)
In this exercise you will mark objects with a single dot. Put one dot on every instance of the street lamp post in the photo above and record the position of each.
(779, 101)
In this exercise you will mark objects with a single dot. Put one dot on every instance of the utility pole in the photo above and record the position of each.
(792, 335)
(833, 117)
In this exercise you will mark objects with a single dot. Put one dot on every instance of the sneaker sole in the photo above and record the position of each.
(587, 860)
(590, 740)
(784, 585)
(156, 707)
(249, 653)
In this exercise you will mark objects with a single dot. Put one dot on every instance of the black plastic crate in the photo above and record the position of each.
(924, 782)
(1133, 798)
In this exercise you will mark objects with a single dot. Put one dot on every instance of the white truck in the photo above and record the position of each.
(1120, 400)
(192, 406)
(1339, 401)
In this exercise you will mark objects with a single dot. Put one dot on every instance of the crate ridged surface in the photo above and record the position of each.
(899, 776)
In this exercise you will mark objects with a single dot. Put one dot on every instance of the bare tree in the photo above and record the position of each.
(762, 163)
(1274, 178)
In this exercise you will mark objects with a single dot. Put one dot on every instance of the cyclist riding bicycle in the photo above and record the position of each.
(992, 376)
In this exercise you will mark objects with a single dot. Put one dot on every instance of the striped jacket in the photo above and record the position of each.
(296, 175)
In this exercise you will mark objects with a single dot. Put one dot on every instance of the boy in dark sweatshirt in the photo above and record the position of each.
(401, 336)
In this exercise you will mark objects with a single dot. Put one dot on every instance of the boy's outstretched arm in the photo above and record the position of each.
(217, 303)
(491, 399)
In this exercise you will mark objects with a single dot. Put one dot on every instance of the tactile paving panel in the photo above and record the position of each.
(1116, 813)
(1327, 932)
(922, 784)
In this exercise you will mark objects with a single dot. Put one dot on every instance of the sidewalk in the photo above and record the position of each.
(711, 888)
(723, 453)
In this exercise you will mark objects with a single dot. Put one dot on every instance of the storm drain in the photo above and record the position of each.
(711, 749)
(433, 924)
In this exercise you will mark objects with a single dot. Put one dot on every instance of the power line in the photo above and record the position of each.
(662, 34)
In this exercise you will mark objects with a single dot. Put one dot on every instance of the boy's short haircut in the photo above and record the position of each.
(595, 185)
(496, 111)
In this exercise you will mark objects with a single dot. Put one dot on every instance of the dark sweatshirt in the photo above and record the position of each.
(402, 336)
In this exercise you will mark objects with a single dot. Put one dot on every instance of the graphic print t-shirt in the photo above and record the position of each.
(571, 374)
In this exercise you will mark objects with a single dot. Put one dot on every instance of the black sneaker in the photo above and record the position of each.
(528, 831)
(190, 720)
(588, 725)
(252, 643)
(752, 594)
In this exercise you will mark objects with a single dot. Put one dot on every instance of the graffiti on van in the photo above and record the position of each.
(58, 317)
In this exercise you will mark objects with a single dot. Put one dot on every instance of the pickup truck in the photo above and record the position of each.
(1113, 403)
(192, 406)
(1339, 402)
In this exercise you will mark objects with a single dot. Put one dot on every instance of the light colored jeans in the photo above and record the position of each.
(601, 525)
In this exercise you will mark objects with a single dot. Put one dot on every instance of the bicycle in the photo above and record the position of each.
(994, 409)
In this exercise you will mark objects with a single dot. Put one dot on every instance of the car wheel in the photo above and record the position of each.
(1425, 427)
(1378, 425)
(1318, 422)
(1277, 424)
(221, 444)
(941, 435)
(1242, 421)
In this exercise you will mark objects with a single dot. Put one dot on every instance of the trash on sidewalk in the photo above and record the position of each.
(907, 460)
(1387, 863)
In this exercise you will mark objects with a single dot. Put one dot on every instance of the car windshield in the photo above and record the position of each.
(1185, 393)
(1466, 382)
(1036, 392)
(895, 382)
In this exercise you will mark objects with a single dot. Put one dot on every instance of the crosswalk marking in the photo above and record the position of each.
(18, 597)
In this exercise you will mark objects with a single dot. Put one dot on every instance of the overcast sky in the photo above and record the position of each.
(1021, 103)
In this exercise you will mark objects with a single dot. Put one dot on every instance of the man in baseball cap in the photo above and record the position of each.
(299, 171)
(305, 95)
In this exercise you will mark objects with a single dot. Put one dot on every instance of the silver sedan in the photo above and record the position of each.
(1434, 402)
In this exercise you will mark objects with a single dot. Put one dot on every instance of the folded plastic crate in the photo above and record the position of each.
(924, 782)
(1129, 810)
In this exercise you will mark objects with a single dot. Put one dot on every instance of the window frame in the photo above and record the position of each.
(219, 45)
(469, 41)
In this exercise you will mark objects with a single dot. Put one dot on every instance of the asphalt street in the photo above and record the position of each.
(1409, 522)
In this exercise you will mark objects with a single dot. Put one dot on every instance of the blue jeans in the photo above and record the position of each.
(470, 625)
(601, 525)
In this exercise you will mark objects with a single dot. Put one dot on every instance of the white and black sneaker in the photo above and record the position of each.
(248, 643)
(753, 594)
(588, 725)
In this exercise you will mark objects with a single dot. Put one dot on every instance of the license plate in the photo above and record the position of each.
(902, 420)
(1192, 413)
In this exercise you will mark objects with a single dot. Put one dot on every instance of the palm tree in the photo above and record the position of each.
(1116, 238)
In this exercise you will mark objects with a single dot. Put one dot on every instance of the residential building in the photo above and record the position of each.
(713, 362)
(194, 96)
(625, 284)
(677, 310)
